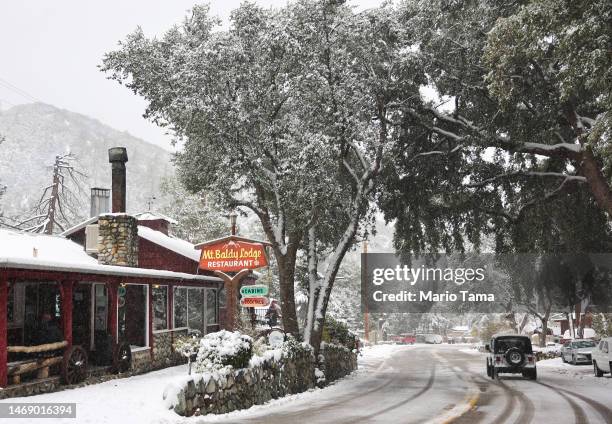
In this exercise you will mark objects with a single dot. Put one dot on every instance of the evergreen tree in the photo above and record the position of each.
(514, 146)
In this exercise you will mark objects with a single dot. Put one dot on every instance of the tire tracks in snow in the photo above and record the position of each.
(350, 398)
(527, 410)
(579, 412)
(604, 411)
(396, 405)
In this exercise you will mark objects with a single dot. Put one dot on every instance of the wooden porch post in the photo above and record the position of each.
(151, 317)
(171, 313)
(112, 287)
(3, 331)
(170, 306)
(66, 309)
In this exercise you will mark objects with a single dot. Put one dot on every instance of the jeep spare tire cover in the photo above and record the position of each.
(515, 357)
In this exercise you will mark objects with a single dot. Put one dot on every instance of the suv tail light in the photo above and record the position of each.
(498, 359)
(530, 359)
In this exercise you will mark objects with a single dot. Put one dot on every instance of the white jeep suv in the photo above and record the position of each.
(602, 357)
(511, 354)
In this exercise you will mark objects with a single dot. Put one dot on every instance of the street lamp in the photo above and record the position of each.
(233, 217)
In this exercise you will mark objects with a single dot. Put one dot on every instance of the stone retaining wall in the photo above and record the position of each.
(163, 353)
(268, 379)
(336, 361)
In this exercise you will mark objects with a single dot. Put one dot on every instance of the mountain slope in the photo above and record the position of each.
(36, 133)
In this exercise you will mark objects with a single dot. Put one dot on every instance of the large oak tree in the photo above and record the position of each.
(285, 114)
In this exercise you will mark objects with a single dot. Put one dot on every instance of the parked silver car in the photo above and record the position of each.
(578, 351)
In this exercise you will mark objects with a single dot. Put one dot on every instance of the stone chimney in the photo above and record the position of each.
(118, 240)
(117, 156)
(117, 231)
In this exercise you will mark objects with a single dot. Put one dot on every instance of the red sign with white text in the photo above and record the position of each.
(233, 255)
(254, 302)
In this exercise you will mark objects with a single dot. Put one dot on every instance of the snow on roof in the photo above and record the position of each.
(152, 216)
(177, 245)
(461, 328)
(77, 227)
(56, 253)
(14, 244)
(141, 216)
(229, 238)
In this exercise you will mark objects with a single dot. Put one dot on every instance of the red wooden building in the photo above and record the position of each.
(118, 286)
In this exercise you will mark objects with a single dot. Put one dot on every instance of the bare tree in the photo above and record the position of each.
(59, 201)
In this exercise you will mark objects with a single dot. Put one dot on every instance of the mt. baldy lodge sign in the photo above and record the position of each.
(233, 255)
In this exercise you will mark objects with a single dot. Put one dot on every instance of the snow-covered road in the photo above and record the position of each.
(395, 384)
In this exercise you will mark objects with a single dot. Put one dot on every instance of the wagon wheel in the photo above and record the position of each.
(122, 359)
(74, 365)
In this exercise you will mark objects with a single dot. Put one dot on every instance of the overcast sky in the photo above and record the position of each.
(50, 50)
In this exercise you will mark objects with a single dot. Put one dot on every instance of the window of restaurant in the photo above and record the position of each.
(160, 307)
(33, 313)
(15, 313)
(195, 308)
(211, 308)
(133, 311)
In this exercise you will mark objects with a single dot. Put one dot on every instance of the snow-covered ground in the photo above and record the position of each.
(581, 372)
(427, 383)
(138, 399)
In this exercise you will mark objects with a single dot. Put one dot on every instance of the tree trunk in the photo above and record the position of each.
(589, 166)
(523, 323)
(544, 332)
(54, 199)
(597, 182)
(325, 292)
(570, 321)
(286, 273)
(314, 287)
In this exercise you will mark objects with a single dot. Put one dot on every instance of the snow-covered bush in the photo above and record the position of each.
(337, 332)
(260, 346)
(292, 347)
(320, 376)
(187, 347)
(224, 349)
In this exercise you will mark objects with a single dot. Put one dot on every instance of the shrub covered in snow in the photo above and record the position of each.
(292, 347)
(337, 332)
(187, 346)
(224, 349)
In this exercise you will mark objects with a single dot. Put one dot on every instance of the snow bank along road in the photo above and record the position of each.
(395, 384)
(443, 384)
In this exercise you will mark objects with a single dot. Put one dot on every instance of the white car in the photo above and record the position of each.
(602, 357)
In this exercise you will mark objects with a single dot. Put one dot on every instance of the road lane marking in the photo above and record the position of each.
(469, 401)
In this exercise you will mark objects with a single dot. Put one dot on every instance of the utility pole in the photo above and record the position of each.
(366, 315)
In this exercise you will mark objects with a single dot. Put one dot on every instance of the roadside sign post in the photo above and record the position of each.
(232, 258)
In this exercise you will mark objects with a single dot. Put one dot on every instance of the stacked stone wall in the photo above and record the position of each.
(271, 379)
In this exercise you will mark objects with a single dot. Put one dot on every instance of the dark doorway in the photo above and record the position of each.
(81, 315)
(133, 314)
(40, 299)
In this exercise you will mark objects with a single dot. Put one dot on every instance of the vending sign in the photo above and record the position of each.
(233, 255)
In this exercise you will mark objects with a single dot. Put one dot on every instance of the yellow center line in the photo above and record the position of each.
(469, 402)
